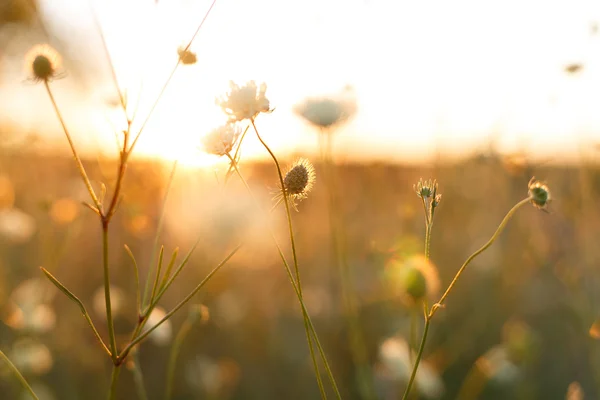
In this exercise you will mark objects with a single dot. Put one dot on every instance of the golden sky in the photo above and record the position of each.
(439, 76)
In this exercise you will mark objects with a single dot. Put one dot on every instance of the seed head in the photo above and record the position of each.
(244, 102)
(415, 278)
(426, 189)
(186, 57)
(298, 181)
(539, 194)
(42, 63)
(220, 141)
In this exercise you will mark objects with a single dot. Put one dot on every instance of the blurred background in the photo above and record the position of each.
(480, 96)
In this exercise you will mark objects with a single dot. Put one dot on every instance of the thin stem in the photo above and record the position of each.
(111, 64)
(109, 316)
(137, 278)
(413, 333)
(419, 356)
(429, 315)
(114, 377)
(162, 91)
(312, 327)
(138, 377)
(501, 227)
(18, 375)
(304, 313)
(142, 336)
(169, 268)
(428, 239)
(158, 271)
(80, 167)
(158, 232)
(172, 363)
(74, 298)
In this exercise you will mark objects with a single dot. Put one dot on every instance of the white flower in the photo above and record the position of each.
(220, 141)
(244, 102)
(325, 112)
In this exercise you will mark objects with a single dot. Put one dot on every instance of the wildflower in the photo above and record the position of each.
(416, 279)
(186, 57)
(298, 181)
(244, 102)
(42, 63)
(325, 112)
(539, 193)
(220, 141)
(426, 189)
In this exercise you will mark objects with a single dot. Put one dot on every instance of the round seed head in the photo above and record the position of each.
(300, 178)
(42, 63)
(539, 193)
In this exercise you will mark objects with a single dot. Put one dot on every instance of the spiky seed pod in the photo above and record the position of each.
(42, 63)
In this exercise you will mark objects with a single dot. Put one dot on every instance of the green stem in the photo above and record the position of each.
(501, 227)
(172, 363)
(413, 333)
(109, 316)
(74, 298)
(299, 294)
(157, 235)
(429, 315)
(312, 327)
(114, 377)
(18, 375)
(427, 240)
(418, 360)
(142, 336)
(80, 167)
(138, 377)
(295, 257)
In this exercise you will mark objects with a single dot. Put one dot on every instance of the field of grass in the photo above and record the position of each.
(520, 324)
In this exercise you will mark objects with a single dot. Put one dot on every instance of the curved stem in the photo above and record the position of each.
(80, 167)
(307, 326)
(429, 315)
(501, 227)
(18, 375)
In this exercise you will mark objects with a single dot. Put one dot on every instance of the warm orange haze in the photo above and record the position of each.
(320, 199)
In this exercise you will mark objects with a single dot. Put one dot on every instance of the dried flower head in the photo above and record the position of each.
(326, 112)
(220, 141)
(42, 63)
(298, 181)
(539, 193)
(244, 102)
(186, 56)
